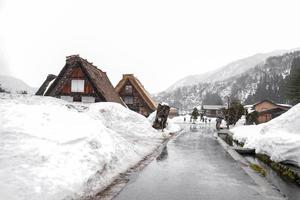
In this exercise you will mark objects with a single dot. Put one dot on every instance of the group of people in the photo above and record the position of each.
(218, 121)
(205, 120)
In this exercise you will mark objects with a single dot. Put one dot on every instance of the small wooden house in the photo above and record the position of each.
(173, 112)
(212, 110)
(268, 110)
(135, 95)
(80, 81)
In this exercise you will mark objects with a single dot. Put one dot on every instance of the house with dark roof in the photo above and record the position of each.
(135, 95)
(212, 110)
(174, 112)
(80, 81)
(268, 110)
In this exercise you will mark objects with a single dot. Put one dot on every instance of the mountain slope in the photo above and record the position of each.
(13, 85)
(264, 80)
(230, 70)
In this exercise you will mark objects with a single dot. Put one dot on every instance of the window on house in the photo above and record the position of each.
(77, 86)
(128, 100)
(128, 89)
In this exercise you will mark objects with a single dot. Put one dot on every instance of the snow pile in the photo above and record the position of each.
(164, 104)
(172, 127)
(241, 122)
(14, 85)
(278, 138)
(52, 149)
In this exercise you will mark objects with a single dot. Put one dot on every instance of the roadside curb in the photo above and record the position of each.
(266, 189)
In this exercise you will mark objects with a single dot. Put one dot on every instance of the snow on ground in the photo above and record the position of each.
(172, 127)
(52, 149)
(278, 138)
(240, 122)
(180, 119)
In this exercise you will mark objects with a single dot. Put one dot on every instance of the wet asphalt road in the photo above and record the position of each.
(192, 166)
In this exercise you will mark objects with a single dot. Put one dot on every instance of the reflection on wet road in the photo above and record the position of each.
(192, 166)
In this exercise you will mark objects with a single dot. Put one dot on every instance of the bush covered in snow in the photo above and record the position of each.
(278, 138)
(52, 149)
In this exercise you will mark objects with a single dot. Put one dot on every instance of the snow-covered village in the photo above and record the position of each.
(149, 100)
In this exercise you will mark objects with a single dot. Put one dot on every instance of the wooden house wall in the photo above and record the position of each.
(212, 112)
(64, 88)
(264, 118)
(139, 105)
(173, 113)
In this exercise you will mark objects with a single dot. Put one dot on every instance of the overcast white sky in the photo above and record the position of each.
(159, 41)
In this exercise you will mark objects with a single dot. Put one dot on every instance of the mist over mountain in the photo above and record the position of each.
(258, 77)
(10, 84)
(230, 70)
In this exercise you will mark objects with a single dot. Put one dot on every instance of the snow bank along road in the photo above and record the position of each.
(278, 138)
(52, 149)
(193, 166)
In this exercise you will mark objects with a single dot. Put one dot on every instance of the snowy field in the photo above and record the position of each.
(52, 149)
(278, 138)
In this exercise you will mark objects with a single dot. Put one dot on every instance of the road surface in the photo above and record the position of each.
(192, 166)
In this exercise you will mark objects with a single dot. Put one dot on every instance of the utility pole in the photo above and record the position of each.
(228, 101)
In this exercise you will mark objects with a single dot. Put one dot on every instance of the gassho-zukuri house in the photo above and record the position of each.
(80, 81)
(135, 96)
(268, 110)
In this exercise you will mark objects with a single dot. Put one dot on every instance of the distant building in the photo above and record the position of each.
(268, 110)
(80, 81)
(212, 110)
(173, 112)
(135, 95)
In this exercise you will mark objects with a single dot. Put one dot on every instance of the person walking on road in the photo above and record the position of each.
(218, 123)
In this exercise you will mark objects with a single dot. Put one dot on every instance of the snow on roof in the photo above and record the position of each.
(284, 105)
(164, 104)
(50, 83)
(213, 107)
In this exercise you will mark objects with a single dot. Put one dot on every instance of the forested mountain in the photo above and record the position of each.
(232, 69)
(266, 80)
(292, 83)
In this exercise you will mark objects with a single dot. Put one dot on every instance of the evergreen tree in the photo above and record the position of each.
(235, 112)
(1, 89)
(293, 82)
(195, 114)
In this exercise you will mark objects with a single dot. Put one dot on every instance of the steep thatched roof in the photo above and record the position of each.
(97, 77)
(139, 87)
(41, 91)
